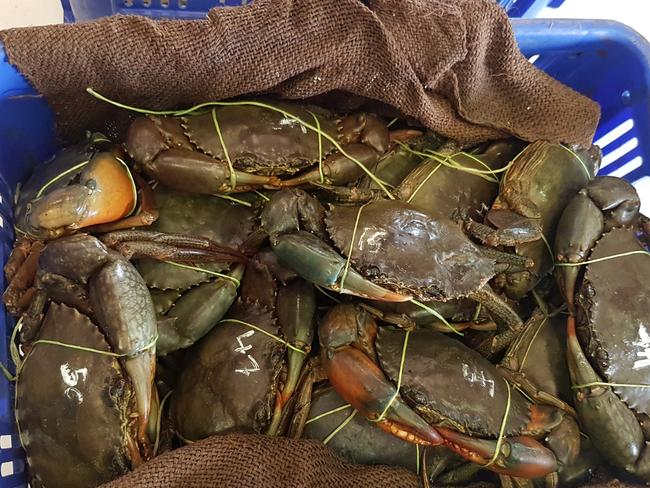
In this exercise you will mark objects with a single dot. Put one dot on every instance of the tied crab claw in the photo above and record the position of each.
(421, 386)
(293, 219)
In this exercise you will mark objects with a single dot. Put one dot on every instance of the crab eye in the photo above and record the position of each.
(28, 208)
(91, 184)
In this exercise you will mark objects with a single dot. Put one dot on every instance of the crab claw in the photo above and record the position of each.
(105, 193)
(318, 263)
(340, 168)
(360, 381)
(580, 226)
(522, 457)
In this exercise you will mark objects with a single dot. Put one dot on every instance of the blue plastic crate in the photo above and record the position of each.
(604, 60)
(77, 10)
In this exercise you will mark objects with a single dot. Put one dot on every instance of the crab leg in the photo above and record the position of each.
(578, 230)
(170, 247)
(197, 312)
(22, 279)
(339, 169)
(361, 383)
(518, 230)
(19, 254)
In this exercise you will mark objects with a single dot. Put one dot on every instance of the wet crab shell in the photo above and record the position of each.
(208, 216)
(475, 394)
(72, 407)
(263, 141)
(614, 316)
(409, 251)
(229, 383)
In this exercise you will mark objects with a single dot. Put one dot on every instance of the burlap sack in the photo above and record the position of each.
(256, 461)
(452, 65)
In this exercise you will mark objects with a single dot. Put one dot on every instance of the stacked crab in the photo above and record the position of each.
(275, 268)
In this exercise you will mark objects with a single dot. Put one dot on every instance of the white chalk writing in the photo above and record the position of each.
(644, 344)
(71, 378)
(479, 378)
(243, 349)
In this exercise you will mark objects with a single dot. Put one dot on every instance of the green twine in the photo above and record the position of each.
(190, 110)
(185, 441)
(328, 295)
(262, 196)
(399, 378)
(207, 271)
(259, 329)
(604, 383)
(582, 164)
(233, 177)
(422, 183)
(7, 373)
(502, 430)
(340, 427)
(90, 349)
(530, 343)
(437, 315)
(61, 175)
(392, 122)
(320, 148)
(328, 412)
(233, 199)
(605, 258)
(477, 312)
(449, 161)
(417, 459)
(347, 261)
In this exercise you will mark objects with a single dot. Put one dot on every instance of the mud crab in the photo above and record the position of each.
(608, 335)
(532, 195)
(453, 193)
(396, 252)
(92, 423)
(195, 153)
(446, 394)
(241, 376)
(83, 186)
(189, 301)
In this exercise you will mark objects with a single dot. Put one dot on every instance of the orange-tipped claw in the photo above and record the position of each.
(522, 457)
(347, 336)
(113, 194)
(361, 383)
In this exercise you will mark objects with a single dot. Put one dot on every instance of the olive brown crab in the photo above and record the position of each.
(84, 186)
(92, 323)
(246, 145)
(532, 195)
(429, 389)
(603, 266)
(242, 375)
(394, 252)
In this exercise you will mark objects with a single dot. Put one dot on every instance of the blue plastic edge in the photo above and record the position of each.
(79, 10)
